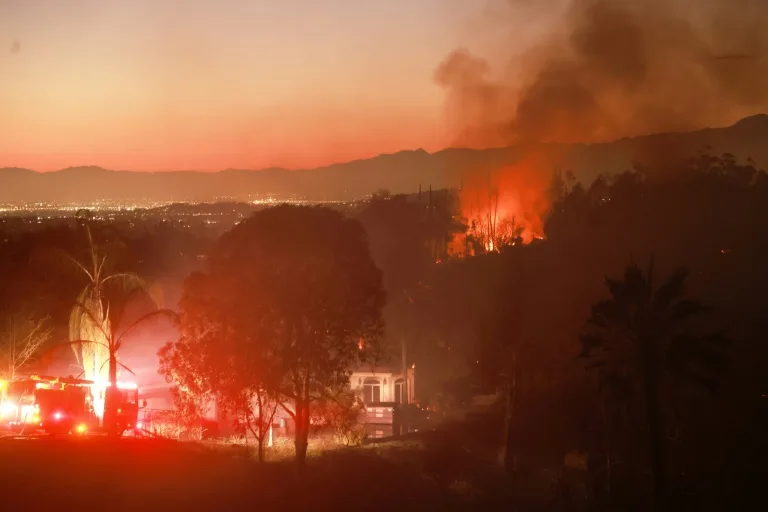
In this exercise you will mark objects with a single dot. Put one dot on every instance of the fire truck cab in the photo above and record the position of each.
(55, 405)
(60, 405)
(17, 404)
(127, 408)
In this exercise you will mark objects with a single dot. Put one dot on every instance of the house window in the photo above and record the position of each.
(400, 391)
(371, 391)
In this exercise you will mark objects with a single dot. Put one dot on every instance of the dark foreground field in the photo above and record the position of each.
(426, 472)
(141, 475)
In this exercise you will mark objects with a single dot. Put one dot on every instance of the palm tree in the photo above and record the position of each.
(637, 335)
(96, 317)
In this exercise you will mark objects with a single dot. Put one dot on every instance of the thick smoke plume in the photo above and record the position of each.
(614, 68)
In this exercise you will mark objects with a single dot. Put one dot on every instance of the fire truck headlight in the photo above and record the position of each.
(81, 428)
(7, 409)
(57, 416)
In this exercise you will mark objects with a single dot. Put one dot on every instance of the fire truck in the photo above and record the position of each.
(62, 405)
(127, 397)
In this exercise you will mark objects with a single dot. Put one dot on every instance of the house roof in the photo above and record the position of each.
(373, 369)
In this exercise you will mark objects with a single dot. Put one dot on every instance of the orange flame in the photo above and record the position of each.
(505, 205)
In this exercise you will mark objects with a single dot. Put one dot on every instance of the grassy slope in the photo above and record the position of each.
(136, 475)
(430, 471)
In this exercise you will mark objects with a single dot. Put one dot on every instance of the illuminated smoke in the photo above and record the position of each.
(607, 69)
(615, 68)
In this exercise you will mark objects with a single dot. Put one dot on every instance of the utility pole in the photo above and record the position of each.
(430, 224)
(405, 395)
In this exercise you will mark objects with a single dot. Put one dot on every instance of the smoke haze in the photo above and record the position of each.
(613, 68)
(600, 70)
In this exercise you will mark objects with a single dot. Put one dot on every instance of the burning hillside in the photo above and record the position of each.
(505, 205)
(603, 69)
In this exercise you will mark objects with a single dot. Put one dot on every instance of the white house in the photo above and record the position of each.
(377, 384)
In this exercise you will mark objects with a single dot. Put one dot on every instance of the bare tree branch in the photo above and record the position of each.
(22, 339)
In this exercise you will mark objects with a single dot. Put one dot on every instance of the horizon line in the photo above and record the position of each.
(416, 150)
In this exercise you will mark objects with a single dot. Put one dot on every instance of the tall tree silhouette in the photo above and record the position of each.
(636, 336)
(296, 284)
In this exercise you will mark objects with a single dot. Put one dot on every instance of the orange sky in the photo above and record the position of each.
(214, 84)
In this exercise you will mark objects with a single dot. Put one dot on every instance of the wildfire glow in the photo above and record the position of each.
(98, 391)
(505, 205)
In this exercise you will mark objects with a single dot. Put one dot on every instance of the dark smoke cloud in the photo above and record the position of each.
(614, 68)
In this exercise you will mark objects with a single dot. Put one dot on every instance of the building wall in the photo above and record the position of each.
(282, 422)
(387, 383)
(411, 372)
(158, 398)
